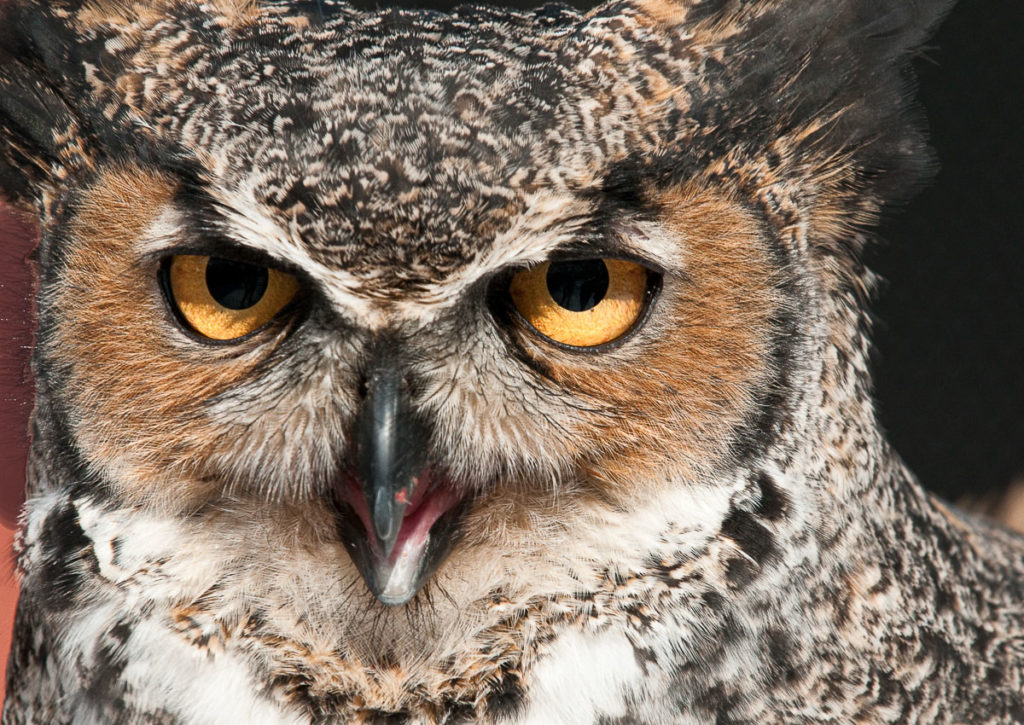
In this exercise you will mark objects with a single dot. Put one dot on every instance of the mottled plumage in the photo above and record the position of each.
(696, 521)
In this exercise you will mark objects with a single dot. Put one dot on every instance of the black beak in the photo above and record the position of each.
(398, 512)
(390, 445)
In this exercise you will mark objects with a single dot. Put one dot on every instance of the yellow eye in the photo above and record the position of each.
(223, 299)
(582, 303)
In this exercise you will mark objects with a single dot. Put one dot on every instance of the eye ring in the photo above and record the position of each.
(220, 300)
(585, 305)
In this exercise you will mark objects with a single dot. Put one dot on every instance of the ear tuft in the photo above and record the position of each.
(838, 76)
(37, 124)
(821, 80)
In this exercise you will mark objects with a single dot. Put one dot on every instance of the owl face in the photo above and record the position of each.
(411, 288)
(262, 372)
(418, 291)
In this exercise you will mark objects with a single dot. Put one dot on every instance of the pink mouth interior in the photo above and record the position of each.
(430, 500)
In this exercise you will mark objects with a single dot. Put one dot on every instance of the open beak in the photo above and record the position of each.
(398, 512)
(391, 449)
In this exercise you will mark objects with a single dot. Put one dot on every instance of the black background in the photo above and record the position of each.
(950, 316)
(950, 339)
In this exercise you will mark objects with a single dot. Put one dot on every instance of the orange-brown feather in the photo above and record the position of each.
(137, 384)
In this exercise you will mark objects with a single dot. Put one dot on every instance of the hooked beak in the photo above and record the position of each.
(405, 510)
(391, 449)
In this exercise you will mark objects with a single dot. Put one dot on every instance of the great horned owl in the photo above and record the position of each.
(488, 366)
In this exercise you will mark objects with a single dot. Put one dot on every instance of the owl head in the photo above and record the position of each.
(491, 298)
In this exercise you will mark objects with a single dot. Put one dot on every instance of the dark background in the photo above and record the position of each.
(950, 316)
(950, 339)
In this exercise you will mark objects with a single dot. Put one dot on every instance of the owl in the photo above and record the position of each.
(490, 366)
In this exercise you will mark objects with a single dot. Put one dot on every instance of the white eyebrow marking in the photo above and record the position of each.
(551, 220)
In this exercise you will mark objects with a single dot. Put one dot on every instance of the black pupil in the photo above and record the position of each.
(235, 285)
(580, 285)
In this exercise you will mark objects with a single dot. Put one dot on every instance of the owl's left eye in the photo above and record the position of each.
(224, 299)
(582, 303)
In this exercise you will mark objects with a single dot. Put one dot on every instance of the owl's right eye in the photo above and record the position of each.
(225, 299)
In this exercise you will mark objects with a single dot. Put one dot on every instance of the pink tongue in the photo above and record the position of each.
(421, 513)
(418, 492)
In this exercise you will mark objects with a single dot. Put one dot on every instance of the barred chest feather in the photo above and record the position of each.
(755, 622)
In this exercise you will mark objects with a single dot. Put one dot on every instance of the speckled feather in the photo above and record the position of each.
(703, 523)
